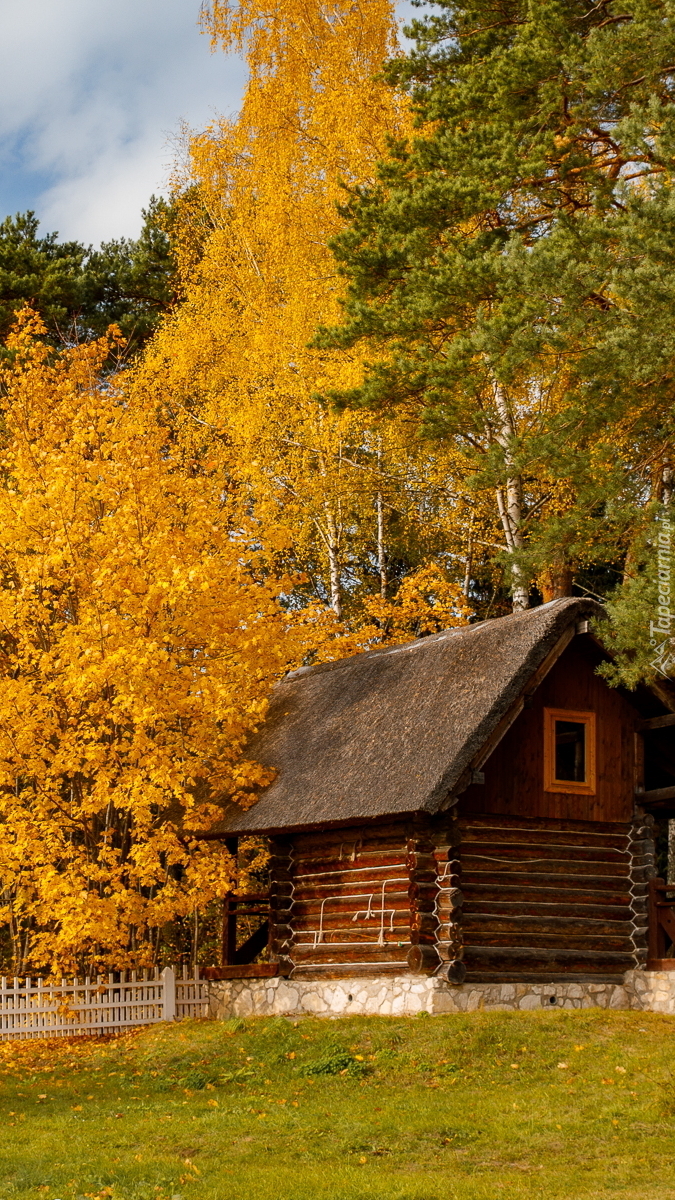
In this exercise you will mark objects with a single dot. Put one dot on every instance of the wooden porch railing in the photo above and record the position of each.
(661, 925)
(237, 962)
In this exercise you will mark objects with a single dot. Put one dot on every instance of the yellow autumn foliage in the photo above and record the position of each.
(139, 638)
(346, 500)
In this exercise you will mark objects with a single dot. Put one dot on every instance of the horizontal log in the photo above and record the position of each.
(341, 954)
(655, 795)
(546, 975)
(347, 908)
(663, 722)
(376, 862)
(549, 923)
(281, 931)
(540, 837)
(280, 876)
(351, 873)
(365, 838)
(281, 847)
(423, 923)
(533, 939)
(618, 913)
(241, 971)
(582, 871)
(350, 933)
(600, 891)
(339, 851)
(321, 971)
(422, 960)
(334, 884)
(525, 954)
(351, 900)
(498, 821)
(422, 879)
(280, 888)
(421, 862)
(510, 852)
(370, 928)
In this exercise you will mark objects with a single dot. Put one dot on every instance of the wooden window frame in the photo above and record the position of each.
(551, 784)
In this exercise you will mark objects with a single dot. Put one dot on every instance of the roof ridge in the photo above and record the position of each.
(426, 639)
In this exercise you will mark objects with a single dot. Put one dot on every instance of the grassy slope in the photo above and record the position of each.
(428, 1108)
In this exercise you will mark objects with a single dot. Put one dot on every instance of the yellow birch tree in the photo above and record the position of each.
(140, 634)
(352, 504)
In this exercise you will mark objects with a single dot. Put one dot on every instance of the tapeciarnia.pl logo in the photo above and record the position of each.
(661, 630)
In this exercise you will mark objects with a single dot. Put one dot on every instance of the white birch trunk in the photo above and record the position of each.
(468, 561)
(333, 546)
(510, 499)
(381, 549)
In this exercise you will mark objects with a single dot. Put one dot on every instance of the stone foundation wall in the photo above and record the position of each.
(400, 995)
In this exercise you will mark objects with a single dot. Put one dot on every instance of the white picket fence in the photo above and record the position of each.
(35, 1009)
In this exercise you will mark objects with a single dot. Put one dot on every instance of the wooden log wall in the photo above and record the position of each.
(548, 900)
(508, 898)
(350, 908)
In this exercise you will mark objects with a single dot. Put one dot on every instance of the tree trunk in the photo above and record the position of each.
(555, 582)
(381, 551)
(334, 563)
(667, 482)
(510, 500)
(468, 561)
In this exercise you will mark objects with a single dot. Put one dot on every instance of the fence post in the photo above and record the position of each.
(169, 981)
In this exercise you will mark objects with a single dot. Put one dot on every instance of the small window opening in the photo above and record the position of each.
(570, 751)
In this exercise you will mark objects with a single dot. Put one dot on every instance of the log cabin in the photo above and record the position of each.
(477, 805)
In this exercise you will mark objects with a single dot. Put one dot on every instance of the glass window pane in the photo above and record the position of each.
(570, 751)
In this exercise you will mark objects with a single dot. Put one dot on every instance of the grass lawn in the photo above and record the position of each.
(477, 1107)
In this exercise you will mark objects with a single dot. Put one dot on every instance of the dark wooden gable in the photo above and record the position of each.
(514, 773)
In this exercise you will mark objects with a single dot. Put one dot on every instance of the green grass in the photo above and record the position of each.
(478, 1107)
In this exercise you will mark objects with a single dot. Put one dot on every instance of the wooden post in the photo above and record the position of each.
(655, 934)
(229, 939)
(169, 994)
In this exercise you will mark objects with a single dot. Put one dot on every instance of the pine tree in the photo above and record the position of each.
(510, 273)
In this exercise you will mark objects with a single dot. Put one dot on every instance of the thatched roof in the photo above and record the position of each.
(393, 731)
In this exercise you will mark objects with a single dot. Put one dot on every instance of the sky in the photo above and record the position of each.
(93, 95)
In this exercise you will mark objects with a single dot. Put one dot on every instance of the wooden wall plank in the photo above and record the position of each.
(514, 773)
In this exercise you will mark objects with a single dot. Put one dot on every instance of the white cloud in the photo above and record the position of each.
(91, 95)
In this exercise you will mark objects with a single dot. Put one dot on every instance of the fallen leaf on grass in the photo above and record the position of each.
(562, 1066)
